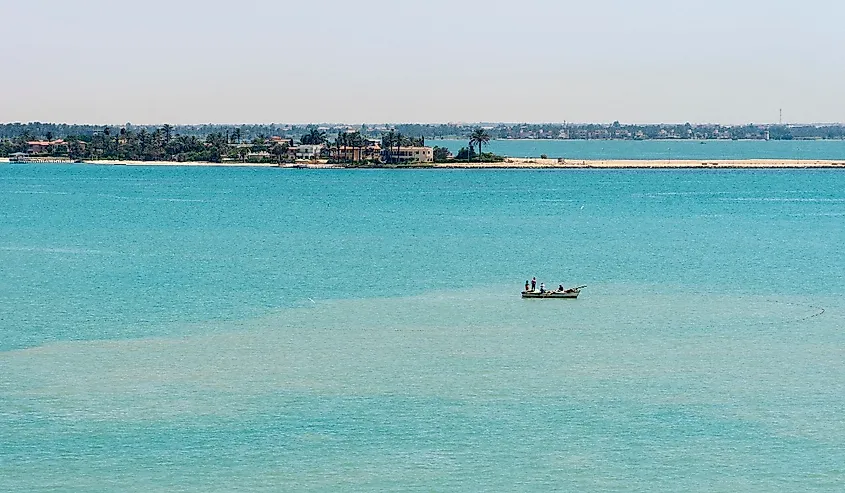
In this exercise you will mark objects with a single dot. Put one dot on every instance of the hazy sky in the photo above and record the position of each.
(185, 61)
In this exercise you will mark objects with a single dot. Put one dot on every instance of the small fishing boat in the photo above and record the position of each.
(570, 293)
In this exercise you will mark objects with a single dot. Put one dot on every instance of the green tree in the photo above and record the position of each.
(465, 154)
(74, 149)
(388, 140)
(280, 150)
(357, 141)
(340, 141)
(480, 137)
(259, 144)
(314, 136)
(168, 133)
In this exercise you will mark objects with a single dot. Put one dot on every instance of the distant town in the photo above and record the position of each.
(337, 143)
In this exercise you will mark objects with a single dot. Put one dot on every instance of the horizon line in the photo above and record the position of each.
(454, 123)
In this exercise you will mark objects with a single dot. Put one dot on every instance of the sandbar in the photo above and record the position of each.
(536, 163)
(528, 163)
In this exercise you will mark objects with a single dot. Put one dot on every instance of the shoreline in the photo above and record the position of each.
(537, 163)
(517, 163)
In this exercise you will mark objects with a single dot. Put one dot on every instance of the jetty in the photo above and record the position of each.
(22, 157)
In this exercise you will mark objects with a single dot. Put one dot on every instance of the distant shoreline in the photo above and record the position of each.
(522, 163)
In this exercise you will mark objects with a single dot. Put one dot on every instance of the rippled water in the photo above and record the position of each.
(260, 329)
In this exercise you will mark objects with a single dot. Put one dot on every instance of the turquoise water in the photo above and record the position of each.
(211, 329)
(661, 149)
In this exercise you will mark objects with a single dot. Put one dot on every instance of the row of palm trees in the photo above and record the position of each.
(352, 140)
(358, 142)
(393, 138)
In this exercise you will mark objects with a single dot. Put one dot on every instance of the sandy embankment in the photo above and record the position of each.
(650, 163)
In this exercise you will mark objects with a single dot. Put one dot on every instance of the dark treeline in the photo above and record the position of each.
(619, 131)
(133, 144)
(171, 143)
(38, 130)
(616, 130)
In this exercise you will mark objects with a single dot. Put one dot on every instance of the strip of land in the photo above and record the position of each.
(520, 163)
(650, 163)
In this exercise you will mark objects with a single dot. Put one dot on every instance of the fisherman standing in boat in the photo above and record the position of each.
(533, 284)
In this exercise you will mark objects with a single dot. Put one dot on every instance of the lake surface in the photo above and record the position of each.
(251, 329)
(660, 149)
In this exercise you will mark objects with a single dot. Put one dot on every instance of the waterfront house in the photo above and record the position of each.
(280, 140)
(356, 153)
(47, 146)
(308, 151)
(409, 154)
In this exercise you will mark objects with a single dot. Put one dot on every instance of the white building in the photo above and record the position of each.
(308, 151)
(410, 154)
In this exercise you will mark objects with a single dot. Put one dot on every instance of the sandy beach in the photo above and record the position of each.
(227, 164)
(174, 163)
(527, 163)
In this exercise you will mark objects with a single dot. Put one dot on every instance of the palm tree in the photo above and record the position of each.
(317, 136)
(74, 150)
(356, 141)
(387, 142)
(259, 144)
(340, 141)
(168, 133)
(157, 149)
(314, 136)
(337, 144)
(279, 150)
(106, 141)
(481, 137)
(122, 136)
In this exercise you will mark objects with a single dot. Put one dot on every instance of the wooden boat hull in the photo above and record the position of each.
(571, 295)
